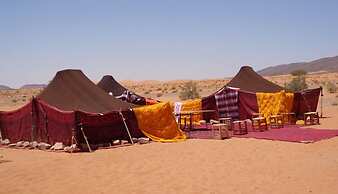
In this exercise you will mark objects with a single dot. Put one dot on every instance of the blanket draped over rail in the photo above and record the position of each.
(158, 123)
(192, 105)
(274, 103)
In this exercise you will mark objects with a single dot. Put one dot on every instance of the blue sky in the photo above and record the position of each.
(159, 40)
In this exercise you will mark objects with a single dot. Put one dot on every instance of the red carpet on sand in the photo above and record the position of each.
(288, 133)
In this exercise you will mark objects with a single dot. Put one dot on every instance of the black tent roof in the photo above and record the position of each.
(247, 79)
(109, 84)
(72, 90)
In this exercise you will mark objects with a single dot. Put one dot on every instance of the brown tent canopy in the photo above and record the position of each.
(109, 84)
(248, 80)
(72, 90)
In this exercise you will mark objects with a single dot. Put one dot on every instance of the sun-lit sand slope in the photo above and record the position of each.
(194, 166)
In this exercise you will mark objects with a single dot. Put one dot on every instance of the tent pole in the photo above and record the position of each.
(127, 129)
(85, 137)
(321, 102)
(73, 140)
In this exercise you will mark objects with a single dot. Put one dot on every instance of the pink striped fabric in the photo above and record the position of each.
(227, 102)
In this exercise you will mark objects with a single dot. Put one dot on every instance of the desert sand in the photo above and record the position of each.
(235, 165)
(194, 166)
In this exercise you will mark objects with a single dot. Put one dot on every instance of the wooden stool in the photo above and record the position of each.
(311, 118)
(227, 121)
(289, 118)
(239, 127)
(259, 124)
(220, 131)
(276, 121)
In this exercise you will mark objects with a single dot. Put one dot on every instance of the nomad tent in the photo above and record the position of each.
(69, 107)
(72, 108)
(112, 87)
(249, 93)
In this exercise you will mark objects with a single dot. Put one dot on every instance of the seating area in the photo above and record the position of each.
(226, 127)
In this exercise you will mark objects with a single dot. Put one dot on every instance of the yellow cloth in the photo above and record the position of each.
(274, 103)
(192, 105)
(289, 102)
(158, 123)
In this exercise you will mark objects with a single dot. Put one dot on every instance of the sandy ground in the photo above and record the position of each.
(193, 166)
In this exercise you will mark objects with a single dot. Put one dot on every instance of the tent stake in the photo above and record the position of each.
(127, 129)
(85, 137)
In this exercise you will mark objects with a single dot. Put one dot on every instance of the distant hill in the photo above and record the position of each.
(30, 86)
(329, 64)
(3, 87)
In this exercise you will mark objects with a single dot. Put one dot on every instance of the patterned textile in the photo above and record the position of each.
(158, 123)
(274, 103)
(227, 102)
(192, 105)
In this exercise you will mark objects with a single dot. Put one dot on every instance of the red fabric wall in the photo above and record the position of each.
(103, 128)
(247, 104)
(17, 125)
(53, 125)
(306, 101)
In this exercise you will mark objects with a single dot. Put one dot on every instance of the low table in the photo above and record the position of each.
(311, 118)
(189, 115)
(289, 118)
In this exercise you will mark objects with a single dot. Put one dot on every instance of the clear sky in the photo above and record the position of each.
(160, 40)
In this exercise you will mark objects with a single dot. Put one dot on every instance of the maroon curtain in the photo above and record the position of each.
(103, 128)
(306, 101)
(53, 125)
(17, 125)
(247, 104)
(209, 103)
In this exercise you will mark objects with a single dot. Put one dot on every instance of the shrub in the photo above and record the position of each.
(299, 72)
(331, 87)
(159, 94)
(297, 84)
(189, 91)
